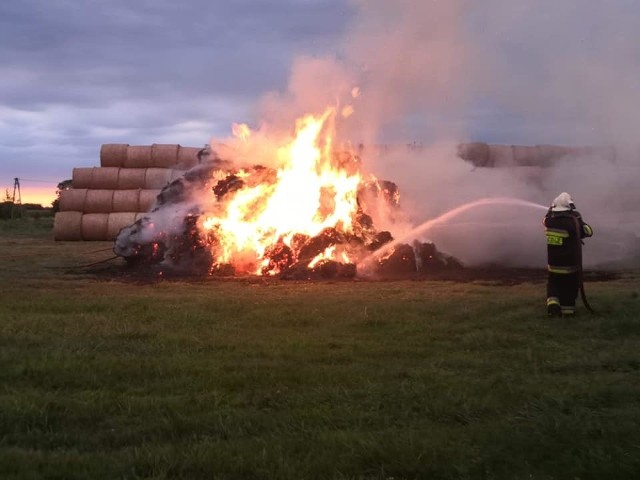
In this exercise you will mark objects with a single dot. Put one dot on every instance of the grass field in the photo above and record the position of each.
(105, 377)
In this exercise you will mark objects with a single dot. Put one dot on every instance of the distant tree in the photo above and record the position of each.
(6, 206)
(5, 210)
(64, 185)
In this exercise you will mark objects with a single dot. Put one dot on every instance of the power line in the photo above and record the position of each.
(32, 180)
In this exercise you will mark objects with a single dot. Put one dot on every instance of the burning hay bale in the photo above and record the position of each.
(169, 237)
(310, 214)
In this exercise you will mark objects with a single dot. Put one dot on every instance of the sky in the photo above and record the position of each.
(75, 74)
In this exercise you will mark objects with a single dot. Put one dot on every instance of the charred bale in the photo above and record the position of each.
(280, 258)
(189, 251)
(430, 259)
(330, 269)
(401, 261)
(381, 238)
(230, 183)
(374, 189)
(318, 244)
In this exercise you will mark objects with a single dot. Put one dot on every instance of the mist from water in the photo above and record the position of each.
(419, 232)
(437, 73)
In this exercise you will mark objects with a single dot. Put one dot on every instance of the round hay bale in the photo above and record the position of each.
(501, 155)
(73, 200)
(147, 199)
(126, 200)
(105, 178)
(608, 153)
(164, 156)
(476, 153)
(138, 156)
(188, 157)
(113, 154)
(525, 156)
(117, 221)
(94, 226)
(67, 226)
(131, 178)
(175, 174)
(157, 177)
(82, 177)
(98, 201)
(549, 154)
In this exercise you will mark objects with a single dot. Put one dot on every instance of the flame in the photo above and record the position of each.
(241, 131)
(312, 190)
(347, 111)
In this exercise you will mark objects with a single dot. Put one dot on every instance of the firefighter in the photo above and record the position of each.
(564, 230)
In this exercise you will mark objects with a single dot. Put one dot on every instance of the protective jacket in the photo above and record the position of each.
(564, 230)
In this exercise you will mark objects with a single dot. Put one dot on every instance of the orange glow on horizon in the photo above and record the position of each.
(43, 194)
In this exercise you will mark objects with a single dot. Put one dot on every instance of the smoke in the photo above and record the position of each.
(525, 73)
(436, 73)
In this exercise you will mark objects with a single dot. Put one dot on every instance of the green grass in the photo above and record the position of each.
(32, 226)
(108, 378)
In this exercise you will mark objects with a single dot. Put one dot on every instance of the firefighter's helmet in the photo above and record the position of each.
(562, 203)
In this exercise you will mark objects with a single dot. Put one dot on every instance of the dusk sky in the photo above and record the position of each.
(79, 73)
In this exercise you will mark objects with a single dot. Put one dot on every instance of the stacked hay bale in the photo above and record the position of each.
(108, 198)
(490, 155)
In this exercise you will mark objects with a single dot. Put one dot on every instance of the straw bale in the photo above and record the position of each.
(175, 174)
(548, 154)
(105, 178)
(476, 153)
(126, 200)
(525, 156)
(188, 157)
(94, 226)
(98, 201)
(607, 154)
(131, 178)
(164, 156)
(501, 155)
(67, 226)
(147, 199)
(117, 221)
(138, 156)
(72, 200)
(157, 177)
(82, 177)
(113, 154)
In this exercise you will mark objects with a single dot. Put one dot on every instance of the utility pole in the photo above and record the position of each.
(16, 187)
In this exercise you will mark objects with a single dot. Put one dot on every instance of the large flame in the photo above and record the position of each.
(312, 190)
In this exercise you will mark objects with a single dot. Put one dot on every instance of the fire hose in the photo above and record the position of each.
(579, 244)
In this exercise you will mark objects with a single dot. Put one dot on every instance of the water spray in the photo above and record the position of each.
(422, 228)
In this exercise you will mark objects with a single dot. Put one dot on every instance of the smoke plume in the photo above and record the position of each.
(431, 74)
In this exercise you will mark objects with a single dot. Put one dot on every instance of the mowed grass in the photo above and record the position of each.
(106, 378)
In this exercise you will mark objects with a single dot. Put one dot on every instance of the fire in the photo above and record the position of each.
(312, 190)
(240, 130)
(305, 211)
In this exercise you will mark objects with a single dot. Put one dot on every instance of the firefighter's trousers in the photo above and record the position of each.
(562, 290)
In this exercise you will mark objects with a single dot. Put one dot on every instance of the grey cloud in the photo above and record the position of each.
(75, 74)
